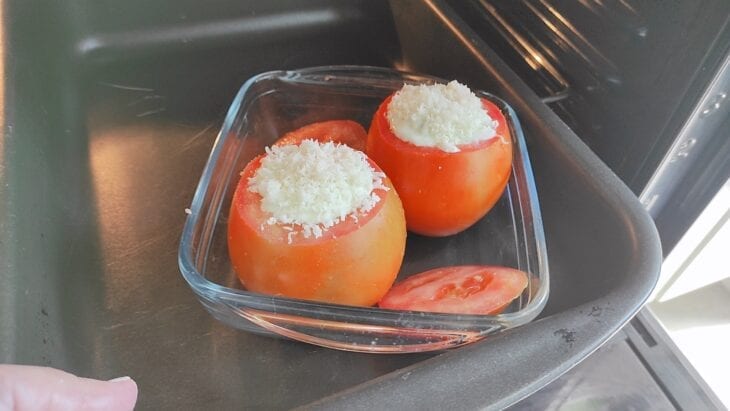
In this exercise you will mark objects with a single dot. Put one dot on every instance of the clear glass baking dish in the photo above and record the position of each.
(272, 103)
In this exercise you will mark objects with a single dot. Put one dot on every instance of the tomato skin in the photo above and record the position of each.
(347, 132)
(443, 193)
(353, 263)
(458, 290)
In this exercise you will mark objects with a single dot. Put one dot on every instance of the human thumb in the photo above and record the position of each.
(26, 388)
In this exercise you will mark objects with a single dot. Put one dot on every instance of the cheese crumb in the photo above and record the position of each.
(315, 185)
(439, 115)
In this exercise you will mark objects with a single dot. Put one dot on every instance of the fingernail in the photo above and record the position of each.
(120, 379)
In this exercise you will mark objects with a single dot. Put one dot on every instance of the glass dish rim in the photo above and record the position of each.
(213, 292)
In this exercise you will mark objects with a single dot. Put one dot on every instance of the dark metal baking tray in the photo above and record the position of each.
(110, 110)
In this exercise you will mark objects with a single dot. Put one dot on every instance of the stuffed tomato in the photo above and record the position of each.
(447, 152)
(316, 221)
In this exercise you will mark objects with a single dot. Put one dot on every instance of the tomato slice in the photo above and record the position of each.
(469, 289)
(354, 262)
(347, 132)
(443, 193)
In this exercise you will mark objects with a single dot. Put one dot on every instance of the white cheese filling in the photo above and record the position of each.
(315, 185)
(444, 116)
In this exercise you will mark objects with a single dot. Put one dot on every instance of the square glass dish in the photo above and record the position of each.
(272, 103)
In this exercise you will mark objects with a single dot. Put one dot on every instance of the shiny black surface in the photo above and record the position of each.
(109, 112)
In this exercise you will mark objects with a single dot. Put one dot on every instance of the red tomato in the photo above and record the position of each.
(354, 262)
(346, 132)
(443, 193)
(468, 289)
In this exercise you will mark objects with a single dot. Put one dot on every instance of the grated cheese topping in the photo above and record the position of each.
(314, 186)
(439, 115)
